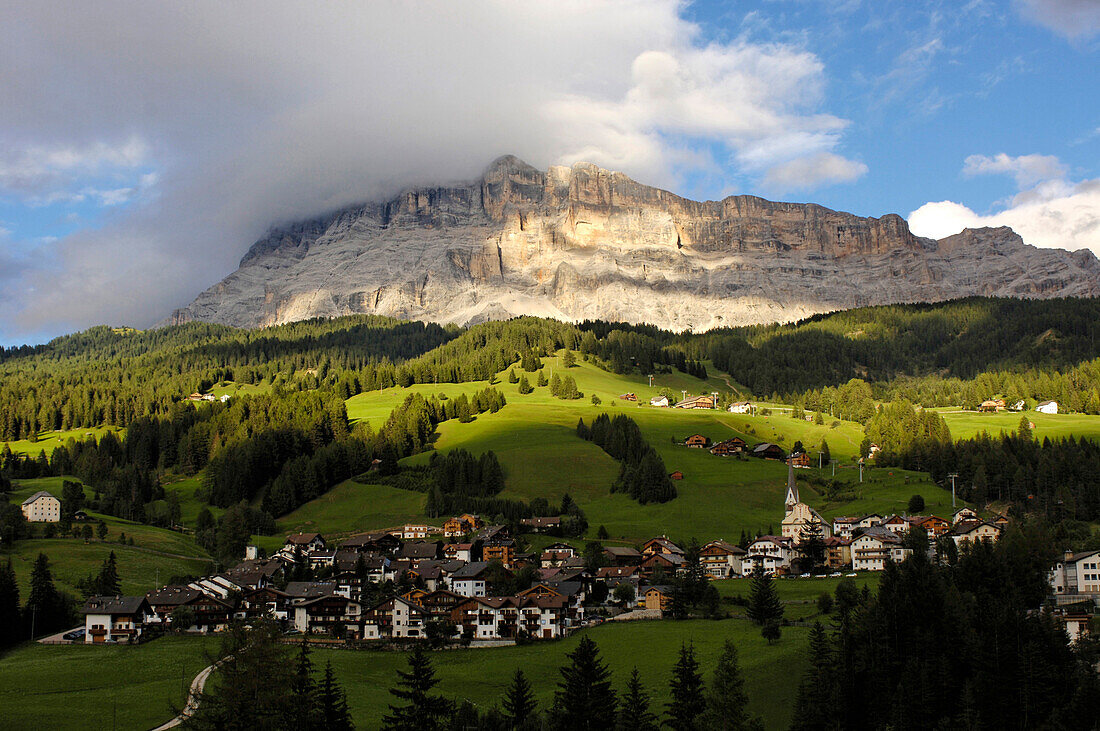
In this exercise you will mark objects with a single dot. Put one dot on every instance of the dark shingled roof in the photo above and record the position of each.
(114, 605)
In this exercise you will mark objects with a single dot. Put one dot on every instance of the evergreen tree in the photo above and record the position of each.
(512, 378)
(422, 710)
(686, 687)
(811, 545)
(333, 702)
(764, 603)
(108, 583)
(519, 701)
(815, 709)
(726, 700)
(524, 385)
(568, 359)
(46, 607)
(634, 713)
(916, 504)
(1024, 429)
(542, 379)
(584, 699)
(826, 455)
(303, 690)
(11, 625)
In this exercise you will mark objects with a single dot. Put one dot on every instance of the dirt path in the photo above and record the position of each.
(192, 704)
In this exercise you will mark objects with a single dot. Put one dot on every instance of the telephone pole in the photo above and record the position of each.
(953, 475)
(861, 469)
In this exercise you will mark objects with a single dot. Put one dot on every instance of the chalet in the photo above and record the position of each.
(740, 407)
(419, 550)
(438, 603)
(459, 552)
(195, 397)
(115, 618)
(845, 526)
(766, 450)
(973, 531)
(555, 555)
(265, 603)
(1018, 406)
(211, 613)
(676, 475)
(330, 614)
(220, 586)
(772, 553)
(869, 521)
(413, 532)
(395, 617)
(660, 545)
(382, 544)
(838, 552)
(623, 555)
(933, 525)
(542, 525)
(697, 402)
(991, 405)
(727, 447)
(1047, 407)
(42, 507)
(427, 573)
(1001, 521)
(655, 597)
(1077, 573)
(515, 616)
(471, 579)
(322, 559)
(800, 460)
(659, 402)
(306, 542)
(627, 397)
(721, 560)
(698, 441)
(617, 574)
(669, 563)
(497, 545)
(896, 524)
(964, 514)
(874, 547)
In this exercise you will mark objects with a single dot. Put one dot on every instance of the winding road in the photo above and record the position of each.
(192, 704)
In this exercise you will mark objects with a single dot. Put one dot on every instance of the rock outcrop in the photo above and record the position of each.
(582, 242)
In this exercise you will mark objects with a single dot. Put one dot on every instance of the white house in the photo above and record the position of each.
(1047, 407)
(306, 542)
(740, 407)
(975, 530)
(470, 580)
(896, 524)
(42, 507)
(964, 514)
(872, 549)
(661, 401)
(771, 552)
(410, 532)
(1077, 573)
(115, 619)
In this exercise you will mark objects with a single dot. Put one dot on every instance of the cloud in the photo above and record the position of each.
(258, 112)
(1053, 214)
(1073, 19)
(1026, 169)
(811, 172)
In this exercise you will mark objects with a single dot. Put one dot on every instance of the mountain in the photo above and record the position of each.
(582, 242)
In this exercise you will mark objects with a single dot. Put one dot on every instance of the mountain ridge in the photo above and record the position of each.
(581, 242)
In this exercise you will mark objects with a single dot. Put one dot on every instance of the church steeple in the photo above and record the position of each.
(792, 487)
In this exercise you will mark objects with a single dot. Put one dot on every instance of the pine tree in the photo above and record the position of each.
(524, 385)
(422, 711)
(46, 607)
(11, 625)
(512, 378)
(303, 690)
(519, 701)
(764, 603)
(107, 583)
(686, 688)
(333, 703)
(568, 359)
(542, 379)
(826, 455)
(634, 713)
(726, 700)
(584, 699)
(816, 704)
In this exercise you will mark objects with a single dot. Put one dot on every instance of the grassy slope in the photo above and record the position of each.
(965, 424)
(49, 440)
(83, 687)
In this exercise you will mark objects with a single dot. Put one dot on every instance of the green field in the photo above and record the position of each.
(49, 440)
(966, 424)
(84, 687)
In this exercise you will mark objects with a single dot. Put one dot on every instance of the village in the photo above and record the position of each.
(457, 582)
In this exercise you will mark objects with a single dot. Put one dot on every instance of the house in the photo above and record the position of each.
(964, 514)
(306, 542)
(42, 507)
(766, 450)
(655, 597)
(676, 475)
(698, 441)
(265, 603)
(471, 579)
(419, 550)
(1077, 573)
(627, 397)
(397, 617)
(973, 531)
(115, 618)
(220, 586)
(896, 524)
(933, 525)
(740, 407)
(705, 401)
(726, 447)
(377, 544)
(844, 526)
(869, 521)
(623, 555)
(529, 615)
(721, 560)
(1001, 521)
(800, 460)
(838, 552)
(459, 552)
(772, 553)
(617, 574)
(1047, 407)
(412, 532)
(497, 545)
(874, 547)
(556, 554)
(1018, 406)
(669, 563)
(329, 614)
(991, 405)
(211, 613)
(659, 401)
(660, 545)
(542, 525)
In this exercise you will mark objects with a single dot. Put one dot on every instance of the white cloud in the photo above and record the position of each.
(1028, 170)
(1053, 214)
(258, 112)
(1074, 19)
(811, 172)
(43, 173)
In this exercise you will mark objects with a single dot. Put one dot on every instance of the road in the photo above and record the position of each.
(192, 704)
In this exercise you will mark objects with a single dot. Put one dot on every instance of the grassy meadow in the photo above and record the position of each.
(966, 424)
(49, 440)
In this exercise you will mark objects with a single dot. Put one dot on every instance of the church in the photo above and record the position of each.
(798, 513)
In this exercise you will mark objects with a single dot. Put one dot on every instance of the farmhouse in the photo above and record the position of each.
(659, 401)
(115, 619)
(698, 441)
(306, 542)
(726, 447)
(623, 555)
(628, 397)
(991, 405)
(740, 407)
(766, 450)
(800, 460)
(542, 525)
(973, 531)
(721, 560)
(1047, 407)
(697, 402)
(771, 553)
(42, 507)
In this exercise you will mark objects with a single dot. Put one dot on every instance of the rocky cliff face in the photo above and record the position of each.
(582, 242)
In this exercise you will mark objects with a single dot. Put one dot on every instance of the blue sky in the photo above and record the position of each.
(143, 148)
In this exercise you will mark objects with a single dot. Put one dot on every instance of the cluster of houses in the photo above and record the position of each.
(207, 397)
(737, 445)
(449, 581)
(999, 404)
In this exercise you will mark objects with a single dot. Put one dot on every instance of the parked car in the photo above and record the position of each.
(76, 634)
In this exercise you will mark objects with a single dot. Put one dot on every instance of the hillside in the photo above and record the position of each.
(581, 242)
